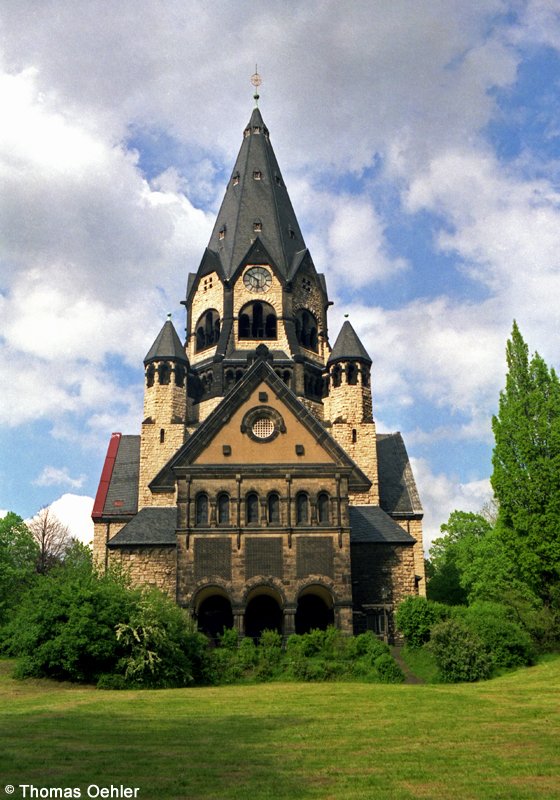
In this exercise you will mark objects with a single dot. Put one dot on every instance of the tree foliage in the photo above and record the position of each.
(526, 467)
(18, 556)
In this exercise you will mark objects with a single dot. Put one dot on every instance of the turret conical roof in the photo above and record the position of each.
(256, 205)
(348, 346)
(167, 346)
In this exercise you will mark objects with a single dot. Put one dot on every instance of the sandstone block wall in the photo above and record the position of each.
(149, 566)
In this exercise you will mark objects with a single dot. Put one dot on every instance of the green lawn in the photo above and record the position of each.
(498, 739)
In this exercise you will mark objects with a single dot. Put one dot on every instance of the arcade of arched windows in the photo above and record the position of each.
(349, 373)
(164, 372)
(257, 321)
(271, 509)
(207, 330)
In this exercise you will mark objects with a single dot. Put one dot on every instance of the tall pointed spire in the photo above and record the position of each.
(256, 208)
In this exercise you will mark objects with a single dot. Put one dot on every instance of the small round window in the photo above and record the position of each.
(263, 424)
(263, 427)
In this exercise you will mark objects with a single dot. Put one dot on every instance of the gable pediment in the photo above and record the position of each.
(260, 421)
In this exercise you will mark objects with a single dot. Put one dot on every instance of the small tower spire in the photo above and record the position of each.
(256, 80)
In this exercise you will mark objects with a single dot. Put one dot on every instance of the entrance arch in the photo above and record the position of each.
(315, 610)
(263, 612)
(214, 614)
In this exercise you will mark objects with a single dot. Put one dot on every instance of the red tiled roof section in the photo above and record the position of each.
(106, 475)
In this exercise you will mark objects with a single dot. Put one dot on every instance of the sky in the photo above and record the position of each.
(420, 144)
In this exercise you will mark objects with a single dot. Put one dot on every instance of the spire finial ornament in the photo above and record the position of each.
(256, 80)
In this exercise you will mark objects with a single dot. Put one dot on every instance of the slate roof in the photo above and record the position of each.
(397, 489)
(371, 525)
(249, 200)
(167, 346)
(151, 526)
(348, 345)
(117, 495)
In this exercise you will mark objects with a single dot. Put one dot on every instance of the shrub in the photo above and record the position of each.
(162, 647)
(460, 653)
(65, 627)
(388, 669)
(366, 644)
(247, 653)
(415, 618)
(508, 643)
(229, 639)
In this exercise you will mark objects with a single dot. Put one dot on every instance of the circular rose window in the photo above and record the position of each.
(263, 427)
(262, 424)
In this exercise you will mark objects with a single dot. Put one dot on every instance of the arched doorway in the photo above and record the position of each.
(214, 614)
(314, 610)
(263, 613)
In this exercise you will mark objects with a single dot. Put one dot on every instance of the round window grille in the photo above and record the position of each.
(263, 427)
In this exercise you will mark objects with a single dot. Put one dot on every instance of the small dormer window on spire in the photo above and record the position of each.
(257, 226)
(257, 175)
(222, 233)
(235, 179)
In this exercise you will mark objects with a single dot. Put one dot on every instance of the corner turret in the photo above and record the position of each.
(348, 405)
(165, 406)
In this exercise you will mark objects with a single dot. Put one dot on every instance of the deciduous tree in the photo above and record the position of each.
(52, 537)
(18, 557)
(526, 467)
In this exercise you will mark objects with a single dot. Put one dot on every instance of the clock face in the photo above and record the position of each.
(257, 279)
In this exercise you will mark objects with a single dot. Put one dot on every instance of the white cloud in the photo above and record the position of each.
(74, 511)
(54, 476)
(442, 494)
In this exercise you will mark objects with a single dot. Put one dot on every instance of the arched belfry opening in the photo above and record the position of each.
(263, 613)
(314, 610)
(214, 613)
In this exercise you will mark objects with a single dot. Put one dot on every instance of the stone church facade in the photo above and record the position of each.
(259, 493)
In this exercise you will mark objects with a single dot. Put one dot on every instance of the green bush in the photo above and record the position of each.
(415, 618)
(388, 669)
(507, 642)
(162, 647)
(79, 626)
(65, 627)
(460, 653)
(366, 644)
(247, 653)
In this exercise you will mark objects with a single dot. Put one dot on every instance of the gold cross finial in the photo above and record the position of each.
(256, 80)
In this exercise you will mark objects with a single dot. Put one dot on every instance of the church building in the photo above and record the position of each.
(259, 494)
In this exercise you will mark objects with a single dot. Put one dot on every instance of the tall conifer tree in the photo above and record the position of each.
(526, 467)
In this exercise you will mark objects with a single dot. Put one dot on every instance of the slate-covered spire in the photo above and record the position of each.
(348, 346)
(167, 346)
(256, 205)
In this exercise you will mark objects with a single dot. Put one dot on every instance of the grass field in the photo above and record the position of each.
(498, 739)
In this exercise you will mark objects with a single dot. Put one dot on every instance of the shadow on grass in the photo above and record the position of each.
(186, 757)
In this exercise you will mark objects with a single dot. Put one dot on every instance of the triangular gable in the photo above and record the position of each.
(206, 444)
(256, 254)
(210, 262)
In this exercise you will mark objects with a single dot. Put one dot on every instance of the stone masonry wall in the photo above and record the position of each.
(150, 566)
(414, 528)
(209, 294)
(102, 532)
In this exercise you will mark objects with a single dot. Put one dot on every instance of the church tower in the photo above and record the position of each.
(256, 284)
(259, 494)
